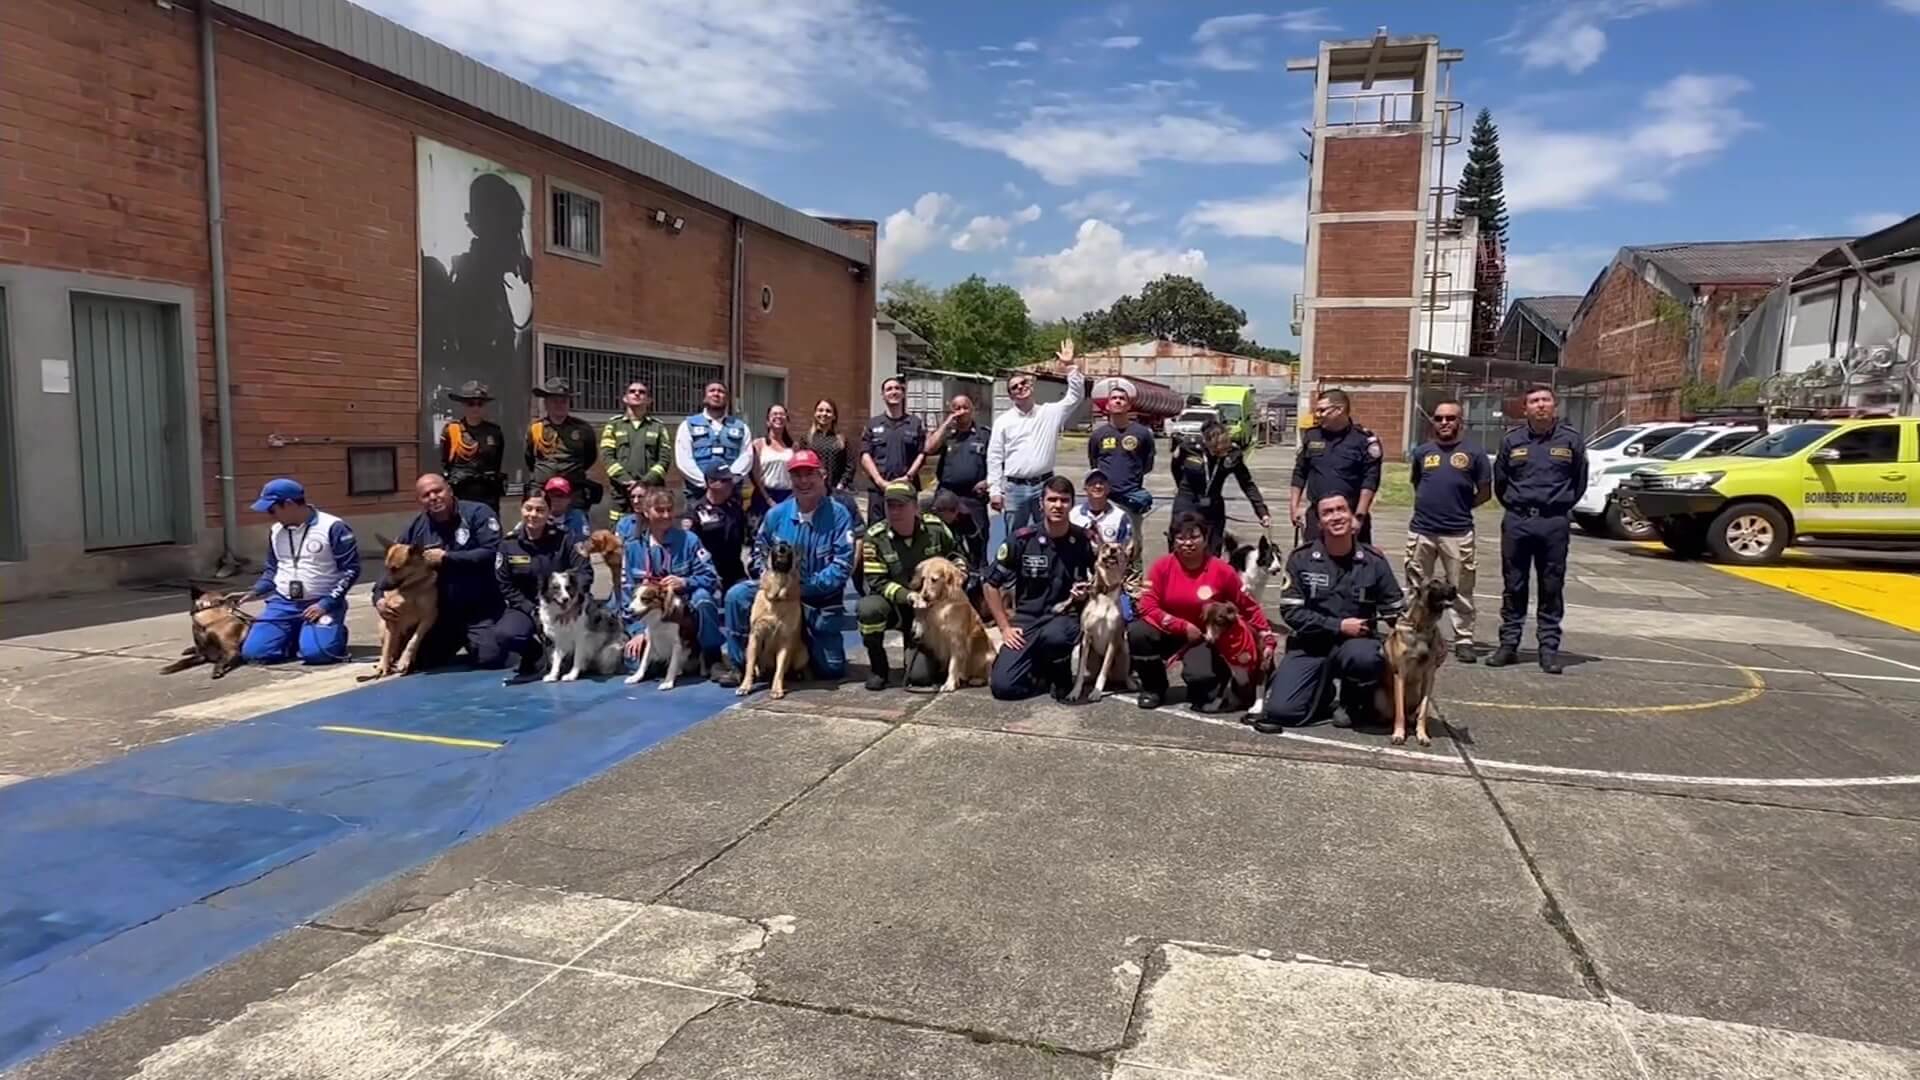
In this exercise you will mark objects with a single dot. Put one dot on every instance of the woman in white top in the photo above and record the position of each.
(771, 452)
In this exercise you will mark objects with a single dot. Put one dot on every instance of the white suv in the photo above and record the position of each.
(1703, 440)
(1623, 444)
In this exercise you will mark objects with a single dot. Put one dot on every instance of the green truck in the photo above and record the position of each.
(1237, 410)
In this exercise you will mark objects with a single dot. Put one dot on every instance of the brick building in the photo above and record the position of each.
(360, 165)
(1661, 313)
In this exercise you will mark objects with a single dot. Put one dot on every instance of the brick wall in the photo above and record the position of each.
(1371, 173)
(1366, 258)
(1628, 330)
(1359, 343)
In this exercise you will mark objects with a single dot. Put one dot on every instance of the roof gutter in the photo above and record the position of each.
(217, 271)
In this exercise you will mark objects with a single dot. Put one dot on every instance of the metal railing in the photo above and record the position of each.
(1375, 108)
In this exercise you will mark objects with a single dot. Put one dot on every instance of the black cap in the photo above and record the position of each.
(555, 387)
(472, 392)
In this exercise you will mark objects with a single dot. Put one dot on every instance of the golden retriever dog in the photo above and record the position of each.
(946, 626)
(408, 607)
(219, 627)
(609, 548)
(778, 627)
(1103, 629)
(1414, 652)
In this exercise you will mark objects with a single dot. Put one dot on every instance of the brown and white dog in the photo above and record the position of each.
(672, 632)
(777, 629)
(947, 627)
(1414, 652)
(1103, 628)
(612, 552)
(1248, 666)
(219, 628)
(408, 607)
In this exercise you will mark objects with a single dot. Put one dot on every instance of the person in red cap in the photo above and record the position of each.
(571, 519)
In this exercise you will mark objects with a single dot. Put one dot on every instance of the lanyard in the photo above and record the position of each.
(294, 546)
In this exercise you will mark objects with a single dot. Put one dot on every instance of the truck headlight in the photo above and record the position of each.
(1694, 481)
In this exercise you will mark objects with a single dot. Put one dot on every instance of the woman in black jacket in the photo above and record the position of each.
(1200, 471)
(530, 555)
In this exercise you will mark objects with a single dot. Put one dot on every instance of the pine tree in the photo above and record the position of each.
(1483, 185)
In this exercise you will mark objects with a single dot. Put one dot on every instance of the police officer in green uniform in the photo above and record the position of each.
(894, 548)
(1539, 472)
(561, 444)
(471, 449)
(637, 449)
(1337, 457)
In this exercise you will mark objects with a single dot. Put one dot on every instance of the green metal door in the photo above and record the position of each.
(126, 387)
(10, 531)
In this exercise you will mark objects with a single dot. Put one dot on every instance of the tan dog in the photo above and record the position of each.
(1103, 629)
(408, 608)
(219, 628)
(1414, 654)
(608, 547)
(778, 627)
(946, 626)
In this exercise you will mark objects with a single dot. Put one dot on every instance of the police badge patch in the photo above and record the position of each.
(1459, 459)
(1373, 448)
(1130, 443)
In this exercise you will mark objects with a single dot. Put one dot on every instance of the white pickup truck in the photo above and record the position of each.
(1604, 479)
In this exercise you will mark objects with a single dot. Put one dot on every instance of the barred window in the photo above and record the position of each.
(574, 224)
(600, 377)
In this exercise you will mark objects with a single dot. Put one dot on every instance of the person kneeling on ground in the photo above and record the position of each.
(1337, 589)
(820, 531)
(312, 560)
(721, 525)
(1171, 627)
(460, 539)
(666, 553)
(894, 549)
(528, 557)
(1048, 567)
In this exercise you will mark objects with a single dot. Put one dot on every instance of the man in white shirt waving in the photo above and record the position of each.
(1020, 450)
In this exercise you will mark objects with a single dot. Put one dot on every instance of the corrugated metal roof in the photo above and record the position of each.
(356, 32)
(1727, 262)
(1555, 310)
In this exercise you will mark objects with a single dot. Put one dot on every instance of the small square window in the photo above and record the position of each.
(573, 224)
(373, 470)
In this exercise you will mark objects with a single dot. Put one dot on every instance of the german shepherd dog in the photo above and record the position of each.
(672, 632)
(778, 626)
(1247, 670)
(219, 627)
(949, 629)
(1103, 629)
(577, 626)
(1255, 563)
(408, 607)
(1414, 652)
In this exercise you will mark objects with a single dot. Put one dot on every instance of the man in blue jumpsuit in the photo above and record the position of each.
(1045, 565)
(1539, 472)
(460, 539)
(312, 560)
(820, 532)
(1337, 457)
(1337, 592)
(661, 550)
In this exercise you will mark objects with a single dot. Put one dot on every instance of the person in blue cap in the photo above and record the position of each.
(312, 560)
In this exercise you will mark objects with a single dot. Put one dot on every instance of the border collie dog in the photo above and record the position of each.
(1255, 563)
(578, 626)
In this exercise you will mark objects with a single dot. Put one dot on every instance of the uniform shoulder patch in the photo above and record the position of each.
(878, 528)
(1004, 551)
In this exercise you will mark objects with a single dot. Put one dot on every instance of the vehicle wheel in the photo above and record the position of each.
(1591, 524)
(1683, 537)
(1622, 525)
(1750, 534)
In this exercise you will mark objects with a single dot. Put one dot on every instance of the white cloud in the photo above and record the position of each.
(1682, 123)
(1239, 42)
(1095, 271)
(1107, 206)
(906, 233)
(741, 70)
(1905, 7)
(1005, 64)
(1029, 45)
(988, 232)
(1013, 190)
(1128, 41)
(1281, 214)
(1555, 271)
(1874, 222)
(1070, 142)
(1569, 34)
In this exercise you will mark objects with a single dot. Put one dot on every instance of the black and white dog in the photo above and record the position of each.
(578, 626)
(1255, 563)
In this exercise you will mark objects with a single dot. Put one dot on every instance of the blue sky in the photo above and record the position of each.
(1078, 150)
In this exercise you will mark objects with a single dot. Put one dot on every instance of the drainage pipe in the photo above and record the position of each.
(216, 248)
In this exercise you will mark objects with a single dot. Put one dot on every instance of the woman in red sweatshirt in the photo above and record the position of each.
(1168, 628)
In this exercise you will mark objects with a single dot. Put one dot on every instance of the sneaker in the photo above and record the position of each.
(1269, 727)
(1550, 661)
(1464, 653)
(725, 674)
(877, 681)
(1502, 656)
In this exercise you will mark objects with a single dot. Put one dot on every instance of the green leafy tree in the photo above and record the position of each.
(922, 308)
(1178, 308)
(984, 326)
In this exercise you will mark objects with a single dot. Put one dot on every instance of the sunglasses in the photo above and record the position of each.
(1446, 419)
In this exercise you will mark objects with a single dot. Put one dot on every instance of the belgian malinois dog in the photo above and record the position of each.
(408, 607)
(219, 628)
(1414, 653)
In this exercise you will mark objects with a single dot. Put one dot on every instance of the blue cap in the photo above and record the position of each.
(277, 492)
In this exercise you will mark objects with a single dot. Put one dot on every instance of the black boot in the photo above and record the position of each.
(723, 673)
(528, 670)
(1550, 661)
(1502, 656)
(878, 672)
(1464, 653)
(1153, 684)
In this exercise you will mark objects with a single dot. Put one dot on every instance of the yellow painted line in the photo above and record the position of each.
(1887, 595)
(1755, 687)
(407, 736)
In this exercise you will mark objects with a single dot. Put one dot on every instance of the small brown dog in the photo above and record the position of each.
(948, 630)
(1414, 652)
(778, 626)
(1248, 668)
(408, 608)
(219, 628)
(608, 547)
(1103, 628)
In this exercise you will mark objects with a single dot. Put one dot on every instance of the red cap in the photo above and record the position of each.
(558, 485)
(803, 459)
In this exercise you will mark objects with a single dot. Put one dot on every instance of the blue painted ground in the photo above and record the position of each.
(122, 881)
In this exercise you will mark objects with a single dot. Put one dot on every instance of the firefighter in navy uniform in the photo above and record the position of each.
(1539, 472)
(561, 444)
(720, 523)
(894, 548)
(1337, 592)
(961, 470)
(471, 449)
(1045, 566)
(1337, 457)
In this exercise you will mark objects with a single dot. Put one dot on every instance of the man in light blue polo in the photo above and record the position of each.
(312, 560)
